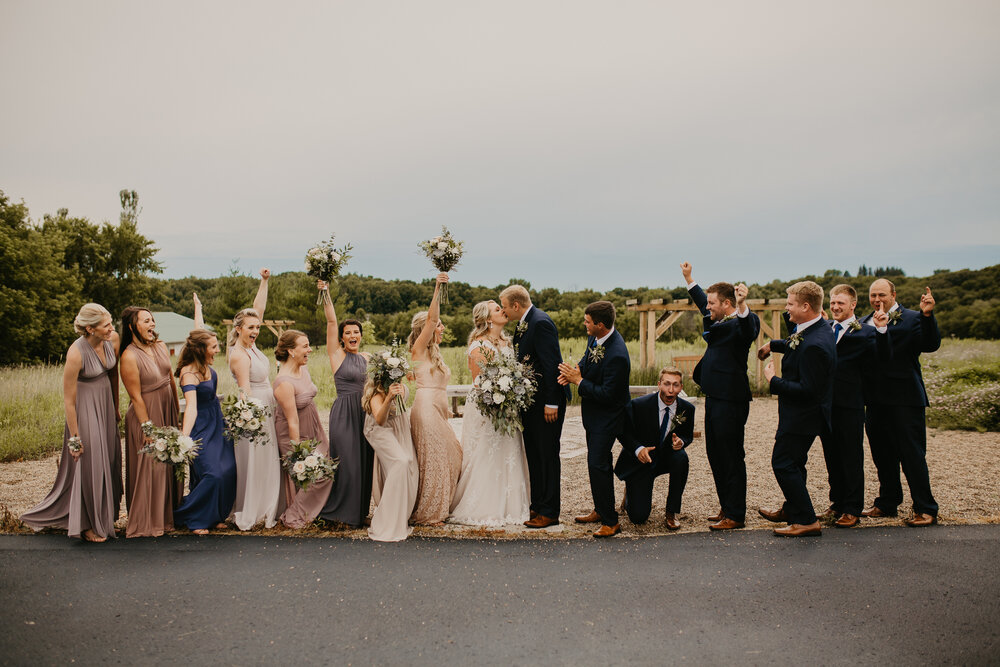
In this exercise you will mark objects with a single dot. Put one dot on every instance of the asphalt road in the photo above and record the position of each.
(877, 595)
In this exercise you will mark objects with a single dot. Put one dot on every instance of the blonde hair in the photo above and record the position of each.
(844, 288)
(808, 292)
(671, 370)
(90, 315)
(417, 325)
(516, 294)
(238, 318)
(366, 397)
(482, 314)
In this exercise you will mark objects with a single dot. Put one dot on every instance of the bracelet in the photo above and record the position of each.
(75, 444)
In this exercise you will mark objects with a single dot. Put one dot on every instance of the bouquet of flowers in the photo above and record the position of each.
(245, 417)
(324, 262)
(445, 253)
(503, 388)
(170, 446)
(306, 466)
(388, 367)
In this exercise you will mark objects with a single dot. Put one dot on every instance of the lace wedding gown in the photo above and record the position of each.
(493, 487)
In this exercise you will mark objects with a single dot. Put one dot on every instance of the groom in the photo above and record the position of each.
(537, 342)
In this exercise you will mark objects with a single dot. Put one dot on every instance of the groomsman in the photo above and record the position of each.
(537, 342)
(729, 329)
(805, 401)
(602, 379)
(896, 399)
(658, 427)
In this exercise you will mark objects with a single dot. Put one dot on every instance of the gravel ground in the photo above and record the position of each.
(964, 470)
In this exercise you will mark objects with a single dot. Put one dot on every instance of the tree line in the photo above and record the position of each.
(49, 268)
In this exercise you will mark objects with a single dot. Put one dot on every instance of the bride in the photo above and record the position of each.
(493, 486)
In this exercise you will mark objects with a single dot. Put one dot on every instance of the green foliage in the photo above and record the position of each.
(963, 385)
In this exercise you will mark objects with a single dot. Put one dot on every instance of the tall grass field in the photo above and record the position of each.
(962, 378)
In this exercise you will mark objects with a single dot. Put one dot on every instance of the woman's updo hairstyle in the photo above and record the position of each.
(90, 315)
(238, 318)
(286, 342)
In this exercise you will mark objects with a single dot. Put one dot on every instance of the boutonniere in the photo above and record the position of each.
(521, 327)
(677, 420)
(854, 325)
(730, 316)
(895, 316)
(596, 353)
(794, 340)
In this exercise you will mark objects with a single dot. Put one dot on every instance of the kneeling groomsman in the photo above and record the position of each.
(805, 398)
(658, 427)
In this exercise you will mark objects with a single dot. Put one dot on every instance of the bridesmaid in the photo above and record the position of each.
(388, 430)
(213, 472)
(298, 419)
(84, 498)
(258, 471)
(152, 492)
(351, 495)
(439, 453)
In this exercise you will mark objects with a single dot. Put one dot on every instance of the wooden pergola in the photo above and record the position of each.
(656, 317)
(277, 327)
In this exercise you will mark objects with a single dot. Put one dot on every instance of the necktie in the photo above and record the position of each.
(836, 331)
(664, 425)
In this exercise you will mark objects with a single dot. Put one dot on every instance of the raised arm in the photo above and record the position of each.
(199, 319)
(260, 301)
(334, 351)
(433, 317)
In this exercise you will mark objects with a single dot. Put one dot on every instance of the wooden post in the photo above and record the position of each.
(650, 340)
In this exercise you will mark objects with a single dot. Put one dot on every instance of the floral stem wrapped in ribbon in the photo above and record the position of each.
(169, 445)
(445, 253)
(503, 388)
(307, 466)
(389, 367)
(246, 418)
(325, 262)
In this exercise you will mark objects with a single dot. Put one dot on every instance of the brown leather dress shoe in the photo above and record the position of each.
(540, 521)
(846, 521)
(776, 516)
(798, 530)
(829, 514)
(593, 517)
(716, 517)
(918, 520)
(608, 531)
(726, 524)
(874, 512)
(671, 522)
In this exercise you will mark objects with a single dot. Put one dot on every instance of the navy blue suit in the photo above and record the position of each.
(805, 403)
(539, 346)
(722, 376)
(895, 417)
(603, 396)
(843, 444)
(642, 429)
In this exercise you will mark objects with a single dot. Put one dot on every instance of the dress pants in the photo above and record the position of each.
(897, 435)
(602, 485)
(844, 451)
(724, 425)
(639, 485)
(541, 449)
(788, 460)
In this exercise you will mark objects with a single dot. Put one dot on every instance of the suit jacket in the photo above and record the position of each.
(642, 429)
(856, 351)
(805, 390)
(604, 386)
(539, 346)
(722, 371)
(898, 380)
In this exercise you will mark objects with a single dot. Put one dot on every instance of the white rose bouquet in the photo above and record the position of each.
(325, 262)
(389, 367)
(503, 388)
(169, 445)
(445, 253)
(307, 466)
(245, 417)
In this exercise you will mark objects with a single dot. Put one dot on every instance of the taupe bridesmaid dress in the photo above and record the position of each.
(439, 453)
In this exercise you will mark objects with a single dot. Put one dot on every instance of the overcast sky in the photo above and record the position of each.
(573, 144)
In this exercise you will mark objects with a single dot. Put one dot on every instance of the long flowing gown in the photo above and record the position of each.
(493, 487)
(152, 491)
(303, 504)
(439, 453)
(258, 471)
(84, 495)
(351, 495)
(213, 472)
(396, 477)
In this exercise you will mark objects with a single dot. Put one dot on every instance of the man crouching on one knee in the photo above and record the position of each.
(658, 427)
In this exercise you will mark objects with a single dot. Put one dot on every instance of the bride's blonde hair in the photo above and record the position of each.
(482, 313)
(433, 351)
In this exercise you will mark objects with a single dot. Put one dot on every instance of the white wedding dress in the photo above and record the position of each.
(493, 486)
